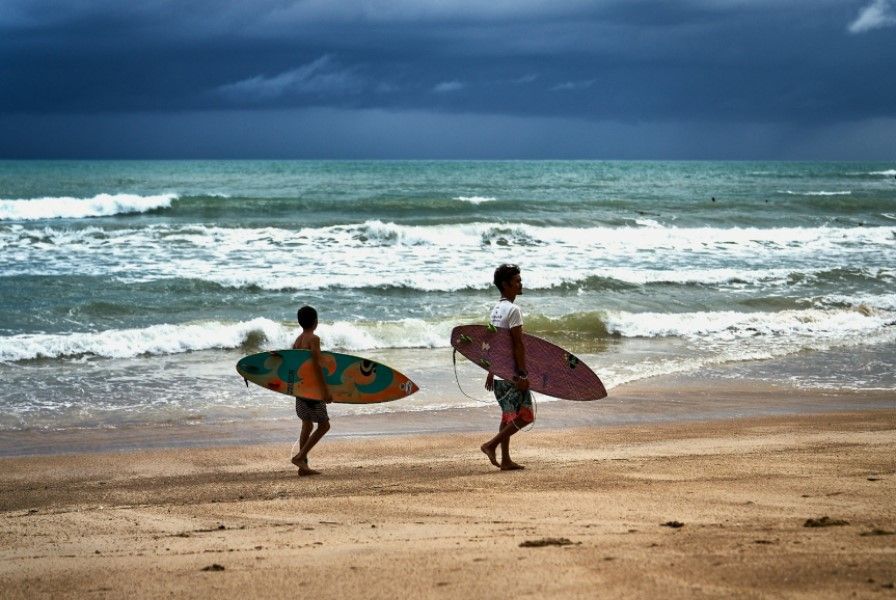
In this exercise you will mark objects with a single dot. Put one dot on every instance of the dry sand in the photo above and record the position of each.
(427, 516)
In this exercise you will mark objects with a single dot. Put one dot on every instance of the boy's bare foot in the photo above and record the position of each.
(490, 453)
(509, 465)
(304, 470)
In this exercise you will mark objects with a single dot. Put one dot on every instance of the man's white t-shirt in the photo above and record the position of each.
(506, 315)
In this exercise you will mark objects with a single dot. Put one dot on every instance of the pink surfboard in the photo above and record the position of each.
(552, 370)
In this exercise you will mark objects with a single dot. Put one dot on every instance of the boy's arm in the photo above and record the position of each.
(519, 355)
(315, 356)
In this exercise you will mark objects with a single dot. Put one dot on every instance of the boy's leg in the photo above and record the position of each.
(303, 439)
(313, 439)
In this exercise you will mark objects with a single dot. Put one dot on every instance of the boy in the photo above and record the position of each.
(311, 411)
(514, 397)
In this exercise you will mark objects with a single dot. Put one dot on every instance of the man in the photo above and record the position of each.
(514, 396)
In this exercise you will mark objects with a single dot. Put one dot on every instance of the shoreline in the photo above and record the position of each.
(677, 509)
(658, 400)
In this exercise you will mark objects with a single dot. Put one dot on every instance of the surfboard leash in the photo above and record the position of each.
(457, 379)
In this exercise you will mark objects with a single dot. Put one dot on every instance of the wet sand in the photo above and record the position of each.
(686, 509)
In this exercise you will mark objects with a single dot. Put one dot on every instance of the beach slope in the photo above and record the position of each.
(675, 510)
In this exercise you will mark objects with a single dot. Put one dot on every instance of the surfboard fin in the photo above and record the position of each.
(247, 381)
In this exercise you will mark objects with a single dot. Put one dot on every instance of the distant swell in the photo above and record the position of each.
(102, 205)
(818, 193)
(475, 199)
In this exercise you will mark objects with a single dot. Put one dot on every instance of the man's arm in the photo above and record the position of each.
(519, 355)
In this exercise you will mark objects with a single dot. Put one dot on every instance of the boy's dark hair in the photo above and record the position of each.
(503, 274)
(307, 317)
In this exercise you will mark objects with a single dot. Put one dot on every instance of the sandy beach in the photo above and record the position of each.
(681, 509)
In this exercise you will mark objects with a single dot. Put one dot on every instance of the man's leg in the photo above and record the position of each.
(502, 438)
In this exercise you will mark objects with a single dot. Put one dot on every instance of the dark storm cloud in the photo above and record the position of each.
(711, 61)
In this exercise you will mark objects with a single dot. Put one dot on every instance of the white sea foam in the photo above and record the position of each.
(153, 340)
(818, 193)
(887, 173)
(805, 326)
(101, 205)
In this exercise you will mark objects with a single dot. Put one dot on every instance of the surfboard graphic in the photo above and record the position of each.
(351, 379)
(552, 370)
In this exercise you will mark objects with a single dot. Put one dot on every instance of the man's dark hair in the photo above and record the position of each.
(307, 317)
(503, 274)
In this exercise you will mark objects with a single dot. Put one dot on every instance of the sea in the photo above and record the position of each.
(129, 289)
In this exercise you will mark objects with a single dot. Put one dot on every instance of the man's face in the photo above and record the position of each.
(514, 285)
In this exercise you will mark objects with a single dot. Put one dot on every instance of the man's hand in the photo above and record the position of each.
(328, 398)
(521, 384)
(490, 382)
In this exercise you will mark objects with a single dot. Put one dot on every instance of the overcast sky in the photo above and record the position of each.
(651, 79)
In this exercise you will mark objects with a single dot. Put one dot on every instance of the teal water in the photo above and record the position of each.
(136, 268)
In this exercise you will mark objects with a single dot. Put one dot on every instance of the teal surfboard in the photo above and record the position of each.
(350, 379)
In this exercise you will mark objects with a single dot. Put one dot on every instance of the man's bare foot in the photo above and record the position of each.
(490, 453)
(509, 465)
(304, 470)
(299, 461)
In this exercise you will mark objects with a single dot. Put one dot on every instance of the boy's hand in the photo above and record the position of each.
(490, 382)
(328, 398)
(521, 384)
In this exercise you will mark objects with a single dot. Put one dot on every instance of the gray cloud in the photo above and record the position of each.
(446, 87)
(574, 85)
(320, 77)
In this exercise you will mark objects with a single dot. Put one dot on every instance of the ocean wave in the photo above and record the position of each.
(809, 326)
(101, 205)
(840, 321)
(259, 333)
(592, 324)
(384, 255)
(153, 340)
(867, 304)
(887, 173)
(475, 199)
